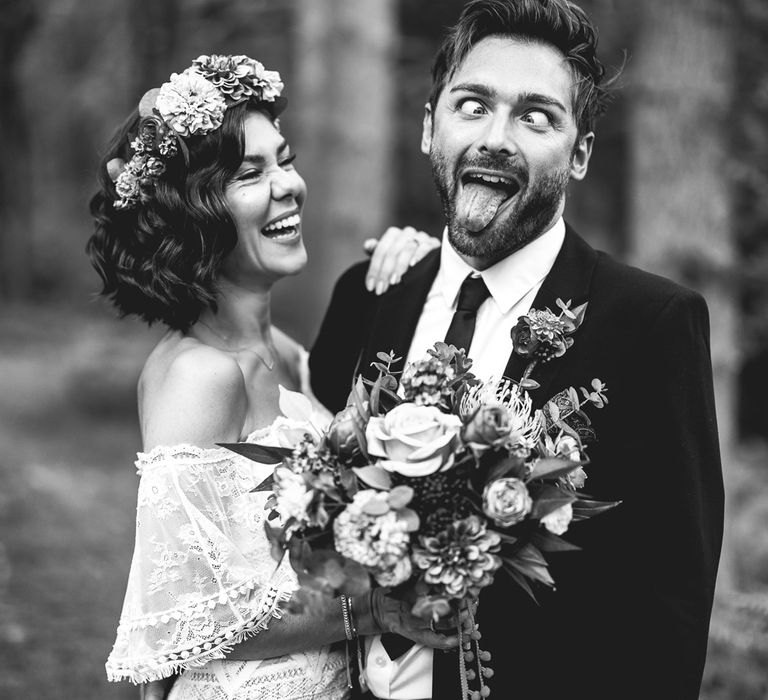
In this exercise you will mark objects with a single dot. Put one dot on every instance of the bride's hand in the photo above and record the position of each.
(392, 255)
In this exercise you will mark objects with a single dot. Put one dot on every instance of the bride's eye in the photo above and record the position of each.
(287, 163)
(472, 107)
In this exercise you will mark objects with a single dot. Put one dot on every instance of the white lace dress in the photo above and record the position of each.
(202, 579)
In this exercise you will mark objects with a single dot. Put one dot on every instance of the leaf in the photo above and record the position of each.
(374, 476)
(579, 313)
(537, 572)
(553, 467)
(386, 356)
(549, 498)
(375, 393)
(529, 384)
(410, 518)
(265, 454)
(549, 542)
(554, 411)
(400, 496)
(266, 485)
(513, 465)
(276, 539)
(294, 405)
(520, 581)
(583, 508)
(362, 442)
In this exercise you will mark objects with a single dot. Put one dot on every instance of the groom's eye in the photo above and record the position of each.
(472, 107)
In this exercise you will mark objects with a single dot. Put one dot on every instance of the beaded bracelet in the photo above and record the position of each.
(346, 612)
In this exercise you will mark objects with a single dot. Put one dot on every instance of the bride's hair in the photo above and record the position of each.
(159, 260)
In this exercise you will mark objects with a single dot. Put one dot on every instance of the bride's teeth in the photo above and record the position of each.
(288, 223)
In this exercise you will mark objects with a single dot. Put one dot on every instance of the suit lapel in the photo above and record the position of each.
(569, 278)
(398, 312)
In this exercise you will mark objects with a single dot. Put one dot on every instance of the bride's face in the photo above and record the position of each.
(265, 199)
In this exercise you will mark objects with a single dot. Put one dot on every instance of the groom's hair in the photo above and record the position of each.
(560, 23)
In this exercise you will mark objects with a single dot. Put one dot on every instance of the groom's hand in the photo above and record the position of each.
(392, 255)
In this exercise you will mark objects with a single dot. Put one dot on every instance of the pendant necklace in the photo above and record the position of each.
(269, 364)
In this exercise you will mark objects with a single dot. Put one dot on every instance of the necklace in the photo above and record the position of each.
(268, 363)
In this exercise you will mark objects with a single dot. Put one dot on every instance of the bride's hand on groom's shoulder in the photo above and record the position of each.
(392, 254)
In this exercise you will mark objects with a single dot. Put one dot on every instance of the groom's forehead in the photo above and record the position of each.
(514, 65)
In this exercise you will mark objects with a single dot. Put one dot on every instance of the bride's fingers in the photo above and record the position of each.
(373, 278)
(426, 243)
(390, 258)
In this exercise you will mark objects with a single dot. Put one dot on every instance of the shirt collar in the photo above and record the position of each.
(510, 279)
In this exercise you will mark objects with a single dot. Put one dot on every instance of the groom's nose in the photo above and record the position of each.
(497, 138)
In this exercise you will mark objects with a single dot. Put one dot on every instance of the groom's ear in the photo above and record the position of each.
(426, 130)
(580, 156)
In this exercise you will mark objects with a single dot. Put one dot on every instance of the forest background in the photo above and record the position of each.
(678, 184)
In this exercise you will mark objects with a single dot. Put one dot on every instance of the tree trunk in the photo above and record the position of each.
(680, 208)
(342, 104)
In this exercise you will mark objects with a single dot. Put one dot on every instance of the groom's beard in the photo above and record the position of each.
(525, 219)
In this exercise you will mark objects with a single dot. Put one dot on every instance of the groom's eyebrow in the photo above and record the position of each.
(525, 97)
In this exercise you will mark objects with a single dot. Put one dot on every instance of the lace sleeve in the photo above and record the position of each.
(202, 577)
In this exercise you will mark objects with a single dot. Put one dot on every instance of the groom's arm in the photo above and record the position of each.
(335, 355)
(676, 514)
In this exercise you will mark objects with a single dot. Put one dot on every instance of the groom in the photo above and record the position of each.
(515, 94)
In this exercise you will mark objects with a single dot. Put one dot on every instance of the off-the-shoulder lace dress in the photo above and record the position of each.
(202, 579)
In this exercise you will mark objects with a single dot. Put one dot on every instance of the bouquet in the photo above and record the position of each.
(431, 482)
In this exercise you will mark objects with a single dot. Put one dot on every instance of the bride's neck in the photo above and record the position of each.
(242, 319)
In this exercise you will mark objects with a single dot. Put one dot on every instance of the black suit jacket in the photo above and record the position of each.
(630, 615)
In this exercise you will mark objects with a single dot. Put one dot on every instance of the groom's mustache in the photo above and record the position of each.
(509, 165)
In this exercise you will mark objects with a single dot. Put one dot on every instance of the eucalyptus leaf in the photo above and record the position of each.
(400, 496)
(266, 485)
(374, 476)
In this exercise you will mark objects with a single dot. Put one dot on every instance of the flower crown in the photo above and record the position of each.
(191, 104)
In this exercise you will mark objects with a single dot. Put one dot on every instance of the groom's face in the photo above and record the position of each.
(503, 145)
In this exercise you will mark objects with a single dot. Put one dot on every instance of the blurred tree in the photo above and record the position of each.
(344, 88)
(17, 22)
(680, 221)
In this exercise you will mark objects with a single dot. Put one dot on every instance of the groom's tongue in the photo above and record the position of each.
(477, 204)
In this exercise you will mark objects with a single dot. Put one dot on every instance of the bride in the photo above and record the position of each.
(198, 215)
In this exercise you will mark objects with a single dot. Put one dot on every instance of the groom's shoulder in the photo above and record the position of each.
(633, 289)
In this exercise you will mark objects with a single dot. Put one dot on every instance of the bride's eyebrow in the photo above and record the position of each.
(259, 160)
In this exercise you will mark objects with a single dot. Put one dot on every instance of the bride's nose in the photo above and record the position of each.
(287, 183)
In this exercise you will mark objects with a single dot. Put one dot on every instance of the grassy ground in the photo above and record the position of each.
(68, 436)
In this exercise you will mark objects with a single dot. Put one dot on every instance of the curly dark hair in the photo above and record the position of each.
(559, 23)
(159, 260)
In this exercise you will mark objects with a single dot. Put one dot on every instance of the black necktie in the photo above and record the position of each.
(472, 294)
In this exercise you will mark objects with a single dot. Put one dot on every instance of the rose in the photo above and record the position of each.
(558, 520)
(342, 436)
(568, 447)
(506, 501)
(488, 427)
(414, 440)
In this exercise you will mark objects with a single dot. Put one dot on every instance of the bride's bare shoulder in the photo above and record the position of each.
(190, 392)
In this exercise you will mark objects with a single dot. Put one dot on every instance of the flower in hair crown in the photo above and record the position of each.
(191, 103)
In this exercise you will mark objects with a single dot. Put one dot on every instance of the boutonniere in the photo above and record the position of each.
(541, 336)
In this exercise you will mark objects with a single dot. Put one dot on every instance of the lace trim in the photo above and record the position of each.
(154, 668)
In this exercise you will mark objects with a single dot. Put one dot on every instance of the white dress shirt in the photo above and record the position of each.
(513, 284)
